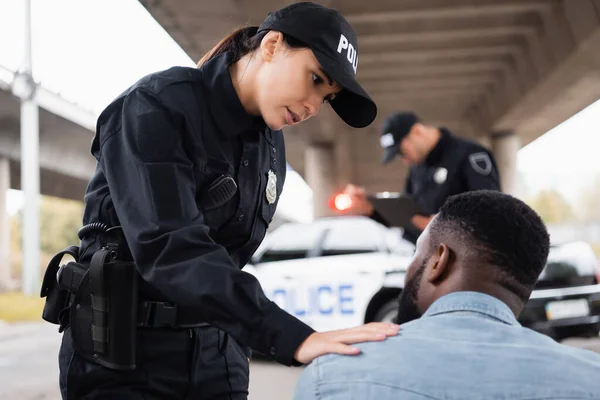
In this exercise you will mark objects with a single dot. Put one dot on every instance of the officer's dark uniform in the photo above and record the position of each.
(159, 146)
(454, 166)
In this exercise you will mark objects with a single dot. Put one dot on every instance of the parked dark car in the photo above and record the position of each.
(566, 299)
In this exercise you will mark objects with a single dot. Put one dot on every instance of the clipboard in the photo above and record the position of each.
(396, 208)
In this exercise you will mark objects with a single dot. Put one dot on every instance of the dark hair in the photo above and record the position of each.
(243, 41)
(501, 231)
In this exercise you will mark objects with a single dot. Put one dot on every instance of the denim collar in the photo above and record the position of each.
(474, 302)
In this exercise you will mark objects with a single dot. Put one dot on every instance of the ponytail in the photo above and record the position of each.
(243, 41)
(240, 42)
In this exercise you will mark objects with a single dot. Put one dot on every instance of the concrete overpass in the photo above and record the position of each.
(502, 72)
(65, 134)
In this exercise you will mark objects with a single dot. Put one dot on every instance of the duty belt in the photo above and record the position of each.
(158, 314)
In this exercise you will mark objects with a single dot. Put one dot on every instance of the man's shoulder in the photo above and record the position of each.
(456, 346)
(378, 353)
(469, 146)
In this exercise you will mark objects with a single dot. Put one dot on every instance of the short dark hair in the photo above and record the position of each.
(502, 231)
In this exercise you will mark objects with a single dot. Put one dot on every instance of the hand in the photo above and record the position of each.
(421, 221)
(321, 343)
(360, 204)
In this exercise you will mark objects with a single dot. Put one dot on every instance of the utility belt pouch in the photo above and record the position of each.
(57, 297)
(104, 311)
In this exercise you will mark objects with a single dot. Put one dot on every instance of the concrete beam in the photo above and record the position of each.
(52, 183)
(570, 87)
(446, 35)
(167, 18)
(557, 32)
(428, 83)
(437, 13)
(435, 54)
(461, 68)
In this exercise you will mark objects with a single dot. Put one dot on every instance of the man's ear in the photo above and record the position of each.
(440, 263)
(418, 129)
(272, 42)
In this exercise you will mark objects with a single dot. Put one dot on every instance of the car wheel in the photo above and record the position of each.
(387, 312)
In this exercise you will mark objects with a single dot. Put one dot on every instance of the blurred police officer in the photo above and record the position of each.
(441, 165)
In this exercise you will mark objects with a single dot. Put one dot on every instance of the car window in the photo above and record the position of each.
(352, 237)
(569, 260)
(397, 244)
(289, 242)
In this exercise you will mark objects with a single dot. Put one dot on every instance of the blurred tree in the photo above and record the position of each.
(60, 220)
(589, 205)
(552, 207)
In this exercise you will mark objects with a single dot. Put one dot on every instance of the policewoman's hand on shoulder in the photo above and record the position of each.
(339, 341)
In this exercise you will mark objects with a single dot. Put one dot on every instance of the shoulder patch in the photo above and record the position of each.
(481, 163)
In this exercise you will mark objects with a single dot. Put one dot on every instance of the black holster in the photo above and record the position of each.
(101, 301)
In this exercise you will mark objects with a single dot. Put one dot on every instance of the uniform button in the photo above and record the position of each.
(241, 217)
(274, 150)
(246, 163)
(273, 351)
(274, 160)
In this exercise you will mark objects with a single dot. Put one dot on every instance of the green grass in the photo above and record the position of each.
(16, 307)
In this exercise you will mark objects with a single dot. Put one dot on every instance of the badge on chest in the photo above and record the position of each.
(271, 190)
(440, 175)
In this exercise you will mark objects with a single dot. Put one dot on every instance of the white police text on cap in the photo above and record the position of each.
(351, 53)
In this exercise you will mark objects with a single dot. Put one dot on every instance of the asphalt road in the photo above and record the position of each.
(29, 370)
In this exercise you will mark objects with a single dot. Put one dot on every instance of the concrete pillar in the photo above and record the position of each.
(5, 278)
(505, 146)
(485, 141)
(320, 176)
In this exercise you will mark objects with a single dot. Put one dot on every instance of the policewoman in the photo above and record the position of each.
(190, 167)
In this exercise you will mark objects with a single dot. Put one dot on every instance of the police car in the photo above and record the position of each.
(344, 271)
(334, 272)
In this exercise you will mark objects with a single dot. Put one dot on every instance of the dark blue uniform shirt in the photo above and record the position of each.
(159, 146)
(454, 166)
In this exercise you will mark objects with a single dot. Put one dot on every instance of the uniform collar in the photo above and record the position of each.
(472, 302)
(224, 103)
(435, 155)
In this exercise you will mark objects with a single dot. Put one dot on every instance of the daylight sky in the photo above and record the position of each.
(89, 51)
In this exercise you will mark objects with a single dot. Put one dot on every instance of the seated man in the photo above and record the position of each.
(474, 268)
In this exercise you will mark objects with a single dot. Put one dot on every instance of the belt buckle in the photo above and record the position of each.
(160, 314)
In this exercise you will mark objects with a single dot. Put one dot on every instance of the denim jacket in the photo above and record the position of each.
(466, 346)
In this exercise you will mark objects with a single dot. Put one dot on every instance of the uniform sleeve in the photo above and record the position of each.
(153, 188)
(480, 171)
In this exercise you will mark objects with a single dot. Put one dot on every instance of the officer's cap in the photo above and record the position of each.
(334, 44)
(395, 128)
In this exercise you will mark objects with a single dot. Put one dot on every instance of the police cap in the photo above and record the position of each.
(395, 128)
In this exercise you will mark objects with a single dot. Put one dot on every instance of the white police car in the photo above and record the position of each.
(339, 272)
(335, 272)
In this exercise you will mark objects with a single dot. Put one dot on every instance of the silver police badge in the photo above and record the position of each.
(271, 190)
(440, 175)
